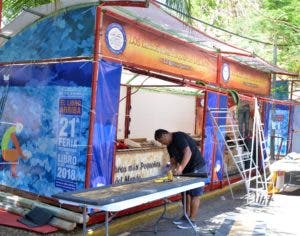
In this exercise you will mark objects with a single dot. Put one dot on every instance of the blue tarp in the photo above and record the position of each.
(214, 145)
(280, 124)
(107, 104)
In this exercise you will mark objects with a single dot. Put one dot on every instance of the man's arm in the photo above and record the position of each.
(174, 164)
(187, 153)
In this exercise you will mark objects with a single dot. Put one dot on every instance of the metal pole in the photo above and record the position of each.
(127, 112)
(106, 223)
(1, 3)
(84, 220)
(96, 59)
(273, 114)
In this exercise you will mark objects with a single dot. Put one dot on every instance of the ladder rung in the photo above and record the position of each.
(228, 131)
(234, 140)
(252, 178)
(225, 126)
(262, 182)
(250, 169)
(238, 161)
(258, 190)
(220, 117)
(243, 154)
(216, 109)
(236, 145)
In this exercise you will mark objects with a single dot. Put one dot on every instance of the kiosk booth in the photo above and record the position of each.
(79, 82)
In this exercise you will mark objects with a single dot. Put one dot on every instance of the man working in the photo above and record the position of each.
(185, 158)
(243, 112)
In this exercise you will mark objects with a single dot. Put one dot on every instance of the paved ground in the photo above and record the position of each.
(218, 216)
(223, 216)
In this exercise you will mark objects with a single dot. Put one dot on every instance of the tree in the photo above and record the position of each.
(12, 8)
(270, 21)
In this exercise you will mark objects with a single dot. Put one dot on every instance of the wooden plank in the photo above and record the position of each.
(56, 222)
(58, 212)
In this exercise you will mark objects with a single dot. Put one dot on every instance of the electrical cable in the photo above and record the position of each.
(224, 30)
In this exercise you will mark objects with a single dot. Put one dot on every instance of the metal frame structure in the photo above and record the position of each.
(136, 68)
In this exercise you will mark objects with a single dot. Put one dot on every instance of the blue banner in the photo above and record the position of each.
(105, 128)
(44, 121)
(214, 144)
(280, 125)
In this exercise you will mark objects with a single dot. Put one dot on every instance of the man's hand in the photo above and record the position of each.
(178, 170)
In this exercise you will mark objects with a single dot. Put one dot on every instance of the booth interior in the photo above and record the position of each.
(159, 96)
(152, 101)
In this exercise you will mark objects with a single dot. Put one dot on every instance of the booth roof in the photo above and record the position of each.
(151, 83)
(154, 16)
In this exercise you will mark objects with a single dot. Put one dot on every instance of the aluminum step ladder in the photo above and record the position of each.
(262, 157)
(239, 153)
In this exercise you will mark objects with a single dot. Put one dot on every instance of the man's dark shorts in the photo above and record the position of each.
(197, 191)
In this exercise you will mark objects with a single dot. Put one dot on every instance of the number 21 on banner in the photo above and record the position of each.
(68, 126)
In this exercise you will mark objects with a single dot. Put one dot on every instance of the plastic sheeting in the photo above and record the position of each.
(282, 90)
(107, 105)
(214, 144)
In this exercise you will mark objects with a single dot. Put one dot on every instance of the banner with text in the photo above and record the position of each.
(132, 45)
(134, 165)
(44, 111)
(244, 79)
(281, 126)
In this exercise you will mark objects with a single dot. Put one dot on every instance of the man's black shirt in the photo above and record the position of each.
(179, 142)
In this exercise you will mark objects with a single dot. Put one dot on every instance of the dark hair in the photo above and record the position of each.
(158, 133)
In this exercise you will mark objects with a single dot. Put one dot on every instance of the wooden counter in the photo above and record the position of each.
(138, 163)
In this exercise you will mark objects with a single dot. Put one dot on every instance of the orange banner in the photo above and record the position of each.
(155, 51)
(244, 79)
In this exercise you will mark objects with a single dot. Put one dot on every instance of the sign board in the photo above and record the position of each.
(133, 165)
(244, 79)
(132, 45)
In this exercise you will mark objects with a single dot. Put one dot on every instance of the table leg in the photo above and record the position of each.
(84, 220)
(106, 223)
(185, 214)
(162, 216)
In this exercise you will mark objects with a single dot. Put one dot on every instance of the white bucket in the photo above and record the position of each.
(280, 180)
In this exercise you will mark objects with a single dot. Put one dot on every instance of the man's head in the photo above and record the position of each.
(163, 136)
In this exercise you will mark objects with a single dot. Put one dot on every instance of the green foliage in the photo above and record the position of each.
(12, 8)
(184, 6)
(273, 21)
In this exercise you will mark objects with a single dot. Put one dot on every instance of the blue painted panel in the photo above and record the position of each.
(45, 107)
(69, 34)
(214, 100)
(280, 125)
